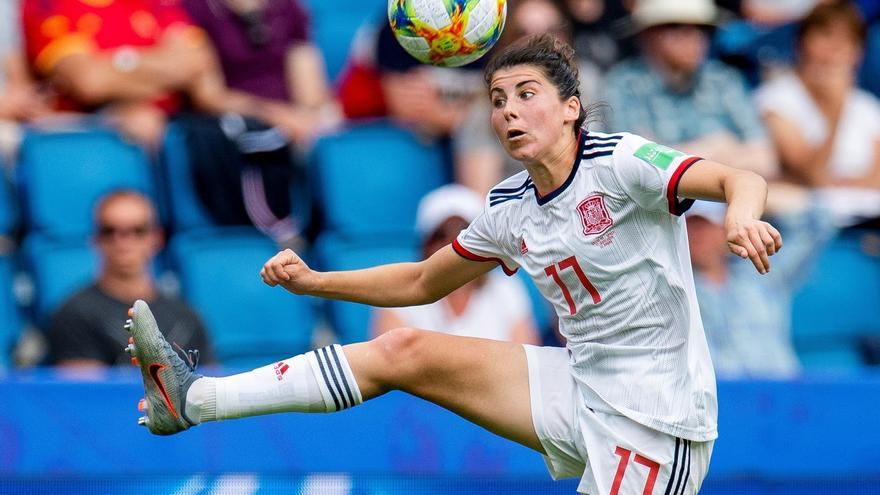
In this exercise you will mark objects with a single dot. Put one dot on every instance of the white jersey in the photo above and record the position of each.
(609, 250)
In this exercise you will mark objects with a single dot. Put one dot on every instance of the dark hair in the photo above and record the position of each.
(827, 13)
(553, 57)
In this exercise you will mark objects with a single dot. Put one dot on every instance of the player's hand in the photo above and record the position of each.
(753, 239)
(288, 270)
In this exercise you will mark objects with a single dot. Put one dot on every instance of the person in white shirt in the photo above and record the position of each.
(629, 404)
(826, 129)
(472, 309)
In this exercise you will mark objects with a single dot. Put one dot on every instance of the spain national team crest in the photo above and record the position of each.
(594, 215)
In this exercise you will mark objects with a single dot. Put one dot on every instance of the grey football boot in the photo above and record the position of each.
(166, 376)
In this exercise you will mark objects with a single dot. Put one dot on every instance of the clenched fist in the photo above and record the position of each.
(288, 270)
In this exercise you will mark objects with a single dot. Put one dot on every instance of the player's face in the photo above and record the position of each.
(527, 114)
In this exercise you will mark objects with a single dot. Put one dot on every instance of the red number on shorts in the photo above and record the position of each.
(653, 469)
(572, 262)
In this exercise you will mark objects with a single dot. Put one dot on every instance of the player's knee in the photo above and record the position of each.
(401, 350)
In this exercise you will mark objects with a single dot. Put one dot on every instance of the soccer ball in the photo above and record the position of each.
(448, 33)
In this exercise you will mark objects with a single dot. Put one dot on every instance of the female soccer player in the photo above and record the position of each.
(629, 404)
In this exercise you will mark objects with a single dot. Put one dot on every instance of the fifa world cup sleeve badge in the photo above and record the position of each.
(594, 215)
(657, 155)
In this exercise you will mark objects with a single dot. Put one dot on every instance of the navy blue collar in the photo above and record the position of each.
(542, 200)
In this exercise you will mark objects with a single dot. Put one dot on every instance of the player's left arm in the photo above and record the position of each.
(745, 194)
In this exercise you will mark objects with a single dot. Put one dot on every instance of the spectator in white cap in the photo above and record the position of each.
(747, 323)
(674, 93)
(494, 306)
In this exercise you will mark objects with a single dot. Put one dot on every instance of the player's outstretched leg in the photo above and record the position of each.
(484, 381)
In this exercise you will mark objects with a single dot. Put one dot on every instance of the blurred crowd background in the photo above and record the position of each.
(164, 149)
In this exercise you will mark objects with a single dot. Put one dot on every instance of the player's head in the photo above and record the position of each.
(126, 233)
(534, 91)
(443, 214)
(832, 34)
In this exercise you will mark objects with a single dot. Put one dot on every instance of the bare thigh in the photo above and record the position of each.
(484, 381)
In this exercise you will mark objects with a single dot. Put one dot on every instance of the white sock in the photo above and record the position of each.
(317, 381)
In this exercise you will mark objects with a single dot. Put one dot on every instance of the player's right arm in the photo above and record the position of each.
(393, 285)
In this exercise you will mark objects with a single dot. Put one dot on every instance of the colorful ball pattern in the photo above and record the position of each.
(448, 33)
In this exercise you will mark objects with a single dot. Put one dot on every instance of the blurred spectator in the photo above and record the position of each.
(19, 99)
(87, 329)
(528, 17)
(267, 60)
(480, 160)
(827, 130)
(595, 31)
(268, 84)
(472, 310)
(763, 43)
(776, 12)
(748, 321)
(674, 94)
(129, 60)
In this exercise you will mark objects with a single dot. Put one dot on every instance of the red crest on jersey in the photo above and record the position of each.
(594, 215)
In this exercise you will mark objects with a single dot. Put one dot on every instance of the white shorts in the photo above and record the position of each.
(611, 454)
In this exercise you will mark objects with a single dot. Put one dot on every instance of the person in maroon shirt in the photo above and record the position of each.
(268, 62)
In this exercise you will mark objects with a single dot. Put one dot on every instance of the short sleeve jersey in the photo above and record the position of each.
(609, 250)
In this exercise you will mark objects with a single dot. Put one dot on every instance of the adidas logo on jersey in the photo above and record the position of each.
(522, 246)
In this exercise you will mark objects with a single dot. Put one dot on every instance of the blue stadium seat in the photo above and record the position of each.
(250, 323)
(61, 176)
(369, 179)
(8, 205)
(10, 319)
(870, 72)
(186, 212)
(349, 320)
(59, 267)
(838, 305)
(334, 25)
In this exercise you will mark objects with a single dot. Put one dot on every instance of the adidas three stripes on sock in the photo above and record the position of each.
(317, 381)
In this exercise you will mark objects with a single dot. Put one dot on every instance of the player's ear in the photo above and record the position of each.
(572, 109)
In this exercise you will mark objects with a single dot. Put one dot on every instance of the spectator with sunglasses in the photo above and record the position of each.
(85, 331)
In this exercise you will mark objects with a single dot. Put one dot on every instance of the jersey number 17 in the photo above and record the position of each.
(572, 262)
